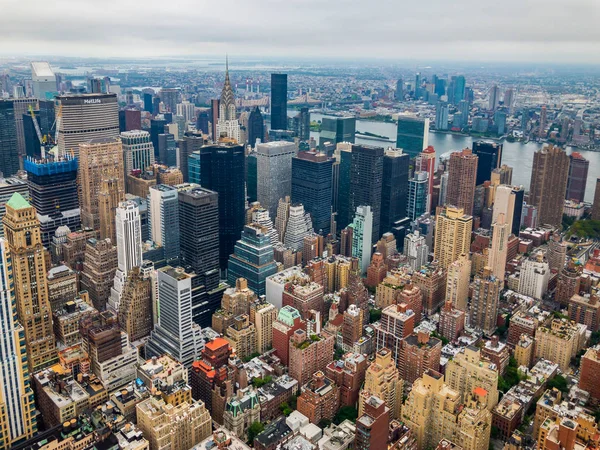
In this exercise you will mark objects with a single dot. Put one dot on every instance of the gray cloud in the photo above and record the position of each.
(519, 30)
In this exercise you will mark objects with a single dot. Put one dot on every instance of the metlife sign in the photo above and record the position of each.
(86, 99)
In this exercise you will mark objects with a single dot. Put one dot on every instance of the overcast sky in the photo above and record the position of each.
(465, 30)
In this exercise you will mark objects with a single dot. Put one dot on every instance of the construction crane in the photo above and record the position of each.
(57, 123)
(37, 131)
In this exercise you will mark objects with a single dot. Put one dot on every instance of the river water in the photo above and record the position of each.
(518, 155)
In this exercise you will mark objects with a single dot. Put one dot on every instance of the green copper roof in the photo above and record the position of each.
(18, 202)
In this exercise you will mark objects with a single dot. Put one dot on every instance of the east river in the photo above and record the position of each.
(518, 155)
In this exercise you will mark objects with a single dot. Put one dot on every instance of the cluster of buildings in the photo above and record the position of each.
(183, 285)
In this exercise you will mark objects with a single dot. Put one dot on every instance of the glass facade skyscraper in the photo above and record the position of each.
(279, 101)
(490, 158)
(394, 188)
(222, 169)
(252, 259)
(256, 127)
(312, 186)
(9, 158)
(417, 195)
(337, 129)
(413, 135)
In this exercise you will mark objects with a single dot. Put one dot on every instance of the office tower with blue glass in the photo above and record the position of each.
(336, 130)
(417, 195)
(9, 157)
(252, 259)
(413, 135)
(279, 85)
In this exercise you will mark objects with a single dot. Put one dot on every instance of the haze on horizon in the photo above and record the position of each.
(555, 31)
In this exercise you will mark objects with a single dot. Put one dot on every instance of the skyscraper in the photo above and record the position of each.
(462, 175)
(199, 233)
(484, 304)
(135, 310)
(170, 98)
(227, 125)
(425, 162)
(17, 418)
(452, 234)
(222, 168)
(175, 333)
(163, 216)
(499, 251)
(416, 250)
(279, 101)
(252, 259)
(129, 247)
(22, 231)
(101, 174)
(256, 127)
(362, 240)
(312, 186)
(9, 158)
(494, 97)
(298, 226)
(274, 164)
(337, 129)
(53, 190)
(394, 188)
(138, 151)
(489, 156)
(577, 179)
(457, 282)
(549, 175)
(413, 135)
(441, 116)
(417, 195)
(596, 204)
(43, 80)
(99, 267)
(85, 117)
(366, 181)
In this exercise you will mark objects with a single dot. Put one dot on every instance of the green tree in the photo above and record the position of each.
(254, 430)
(346, 413)
(260, 382)
(374, 315)
(559, 382)
(285, 409)
(324, 423)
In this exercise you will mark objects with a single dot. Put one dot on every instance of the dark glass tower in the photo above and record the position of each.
(279, 101)
(412, 135)
(199, 233)
(490, 158)
(519, 194)
(344, 214)
(337, 129)
(148, 102)
(251, 177)
(394, 190)
(222, 170)
(9, 157)
(202, 122)
(256, 127)
(312, 186)
(366, 180)
(157, 126)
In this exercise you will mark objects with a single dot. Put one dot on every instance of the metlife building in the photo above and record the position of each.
(84, 117)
